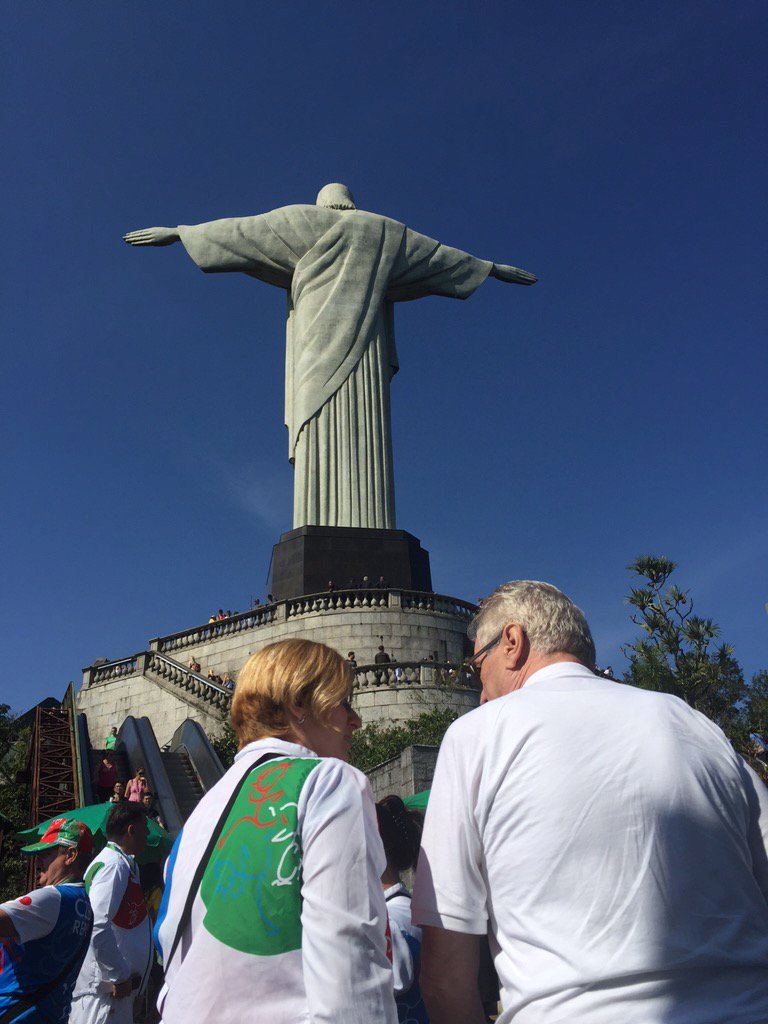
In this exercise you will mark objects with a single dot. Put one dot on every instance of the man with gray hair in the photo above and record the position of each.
(609, 840)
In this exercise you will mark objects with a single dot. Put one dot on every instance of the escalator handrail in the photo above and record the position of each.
(192, 739)
(83, 761)
(137, 738)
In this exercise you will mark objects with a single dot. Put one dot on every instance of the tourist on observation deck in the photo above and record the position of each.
(609, 838)
(298, 932)
(45, 934)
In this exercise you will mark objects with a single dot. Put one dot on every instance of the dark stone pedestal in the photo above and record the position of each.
(306, 559)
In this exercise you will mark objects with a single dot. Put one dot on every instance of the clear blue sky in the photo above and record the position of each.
(617, 408)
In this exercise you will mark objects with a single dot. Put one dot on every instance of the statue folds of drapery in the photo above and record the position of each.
(343, 269)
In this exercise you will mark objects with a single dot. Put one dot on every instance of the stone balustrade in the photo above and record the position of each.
(311, 604)
(172, 672)
(397, 674)
(437, 603)
(339, 600)
(263, 615)
(105, 671)
(393, 674)
(155, 663)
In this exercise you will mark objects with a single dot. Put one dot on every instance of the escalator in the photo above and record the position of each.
(183, 780)
(178, 777)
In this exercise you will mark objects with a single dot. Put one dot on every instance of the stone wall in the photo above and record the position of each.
(414, 626)
(408, 773)
(109, 703)
(394, 704)
(410, 633)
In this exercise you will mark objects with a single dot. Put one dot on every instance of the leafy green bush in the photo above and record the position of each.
(374, 743)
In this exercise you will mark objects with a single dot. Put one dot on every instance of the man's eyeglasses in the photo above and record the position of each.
(472, 665)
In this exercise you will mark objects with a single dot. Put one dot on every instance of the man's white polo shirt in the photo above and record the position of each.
(614, 845)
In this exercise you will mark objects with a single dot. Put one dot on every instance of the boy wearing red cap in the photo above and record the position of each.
(44, 935)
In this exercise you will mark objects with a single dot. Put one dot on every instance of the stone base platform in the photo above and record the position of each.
(306, 559)
(424, 634)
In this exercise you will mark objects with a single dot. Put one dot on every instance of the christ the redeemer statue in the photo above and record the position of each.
(343, 269)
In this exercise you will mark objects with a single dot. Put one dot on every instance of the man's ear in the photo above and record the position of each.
(514, 644)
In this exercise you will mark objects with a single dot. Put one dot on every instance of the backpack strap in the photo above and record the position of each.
(34, 998)
(198, 876)
(391, 896)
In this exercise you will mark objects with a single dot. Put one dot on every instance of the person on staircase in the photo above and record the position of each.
(137, 786)
(148, 803)
(106, 776)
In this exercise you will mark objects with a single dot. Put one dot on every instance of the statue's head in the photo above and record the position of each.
(335, 197)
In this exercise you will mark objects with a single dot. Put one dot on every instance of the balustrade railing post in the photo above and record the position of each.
(142, 661)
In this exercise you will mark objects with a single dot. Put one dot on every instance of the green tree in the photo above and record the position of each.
(370, 745)
(757, 703)
(14, 750)
(225, 742)
(678, 653)
(374, 744)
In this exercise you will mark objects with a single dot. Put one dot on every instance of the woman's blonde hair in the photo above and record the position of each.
(289, 672)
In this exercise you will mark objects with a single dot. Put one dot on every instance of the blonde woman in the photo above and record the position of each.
(273, 909)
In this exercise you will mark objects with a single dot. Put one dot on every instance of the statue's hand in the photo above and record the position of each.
(152, 236)
(512, 275)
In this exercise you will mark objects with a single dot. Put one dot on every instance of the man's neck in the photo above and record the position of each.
(390, 877)
(536, 662)
(122, 847)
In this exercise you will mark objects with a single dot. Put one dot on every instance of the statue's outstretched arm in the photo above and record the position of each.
(152, 236)
(509, 274)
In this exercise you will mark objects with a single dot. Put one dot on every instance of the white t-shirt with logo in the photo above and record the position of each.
(614, 845)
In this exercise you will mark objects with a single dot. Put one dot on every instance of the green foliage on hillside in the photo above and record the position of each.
(14, 804)
(225, 743)
(374, 743)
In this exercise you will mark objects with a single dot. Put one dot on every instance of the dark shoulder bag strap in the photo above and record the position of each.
(32, 999)
(198, 876)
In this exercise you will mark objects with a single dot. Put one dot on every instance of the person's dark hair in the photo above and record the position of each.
(121, 817)
(400, 831)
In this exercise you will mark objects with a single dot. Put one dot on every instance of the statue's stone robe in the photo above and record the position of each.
(342, 270)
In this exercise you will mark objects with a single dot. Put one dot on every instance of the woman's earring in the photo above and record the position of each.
(302, 720)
